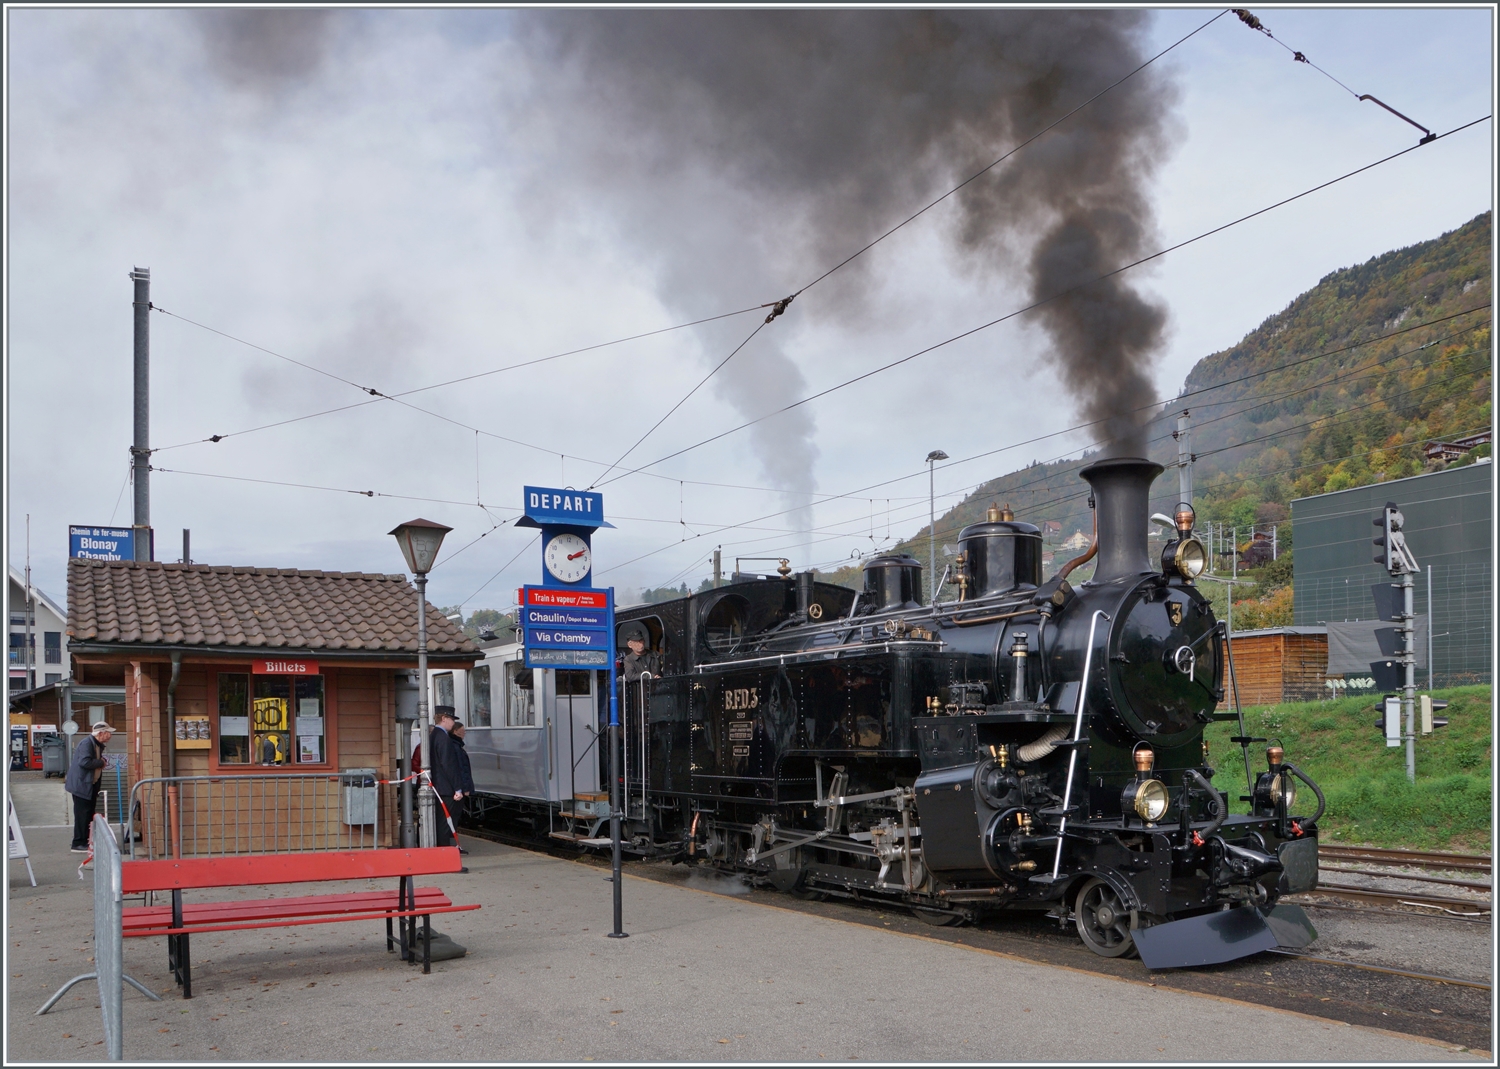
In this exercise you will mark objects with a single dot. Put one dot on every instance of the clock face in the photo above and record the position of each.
(567, 558)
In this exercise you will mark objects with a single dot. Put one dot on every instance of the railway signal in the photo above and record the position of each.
(1394, 556)
(1397, 559)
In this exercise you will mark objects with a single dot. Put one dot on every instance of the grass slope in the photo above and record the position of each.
(1369, 799)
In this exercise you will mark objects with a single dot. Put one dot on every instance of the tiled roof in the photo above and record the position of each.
(150, 603)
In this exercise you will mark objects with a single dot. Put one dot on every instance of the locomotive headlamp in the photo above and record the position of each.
(1281, 784)
(1185, 557)
(1269, 788)
(1146, 798)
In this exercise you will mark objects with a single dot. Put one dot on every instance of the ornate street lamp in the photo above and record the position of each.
(932, 458)
(420, 541)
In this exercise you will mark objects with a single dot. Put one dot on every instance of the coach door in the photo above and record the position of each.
(573, 732)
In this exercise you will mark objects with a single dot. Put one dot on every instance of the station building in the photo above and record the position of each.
(1450, 529)
(265, 674)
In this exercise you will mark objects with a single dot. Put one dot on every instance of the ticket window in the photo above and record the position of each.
(272, 721)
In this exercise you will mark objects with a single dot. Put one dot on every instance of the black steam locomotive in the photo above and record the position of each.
(1031, 744)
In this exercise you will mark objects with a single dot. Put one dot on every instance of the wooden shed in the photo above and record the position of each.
(1279, 664)
(277, 680)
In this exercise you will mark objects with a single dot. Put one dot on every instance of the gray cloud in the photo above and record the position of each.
(266, 49)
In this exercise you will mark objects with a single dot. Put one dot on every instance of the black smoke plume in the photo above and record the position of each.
(839, 123)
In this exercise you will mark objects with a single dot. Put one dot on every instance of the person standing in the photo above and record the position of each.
(446, 772)
(84, 774)
(466, 777)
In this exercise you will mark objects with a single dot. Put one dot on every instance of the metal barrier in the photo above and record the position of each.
(293, 812)
(109, 952)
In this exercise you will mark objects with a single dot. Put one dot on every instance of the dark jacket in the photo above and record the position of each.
(466, 779)
(84, 772)
(443, 762)
(648, 661)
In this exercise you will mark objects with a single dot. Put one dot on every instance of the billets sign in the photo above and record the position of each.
(285, 666)
(101, 543)
(567, 628)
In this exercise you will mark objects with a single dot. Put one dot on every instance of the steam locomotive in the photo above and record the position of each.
(1028, 744)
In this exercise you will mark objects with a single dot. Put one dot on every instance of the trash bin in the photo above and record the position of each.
(54, 755)
(359, 796)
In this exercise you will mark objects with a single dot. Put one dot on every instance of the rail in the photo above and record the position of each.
(293, 812)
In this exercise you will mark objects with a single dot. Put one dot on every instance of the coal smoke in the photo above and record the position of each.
(836, 124)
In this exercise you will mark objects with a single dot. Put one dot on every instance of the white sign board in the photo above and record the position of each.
(17, 841)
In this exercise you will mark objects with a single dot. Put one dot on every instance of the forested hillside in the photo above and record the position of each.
(1343, 387)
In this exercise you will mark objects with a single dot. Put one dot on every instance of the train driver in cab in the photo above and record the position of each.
(638, 659)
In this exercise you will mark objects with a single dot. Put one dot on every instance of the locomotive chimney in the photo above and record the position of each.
(1122, 490)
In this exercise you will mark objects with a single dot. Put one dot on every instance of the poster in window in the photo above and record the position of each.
(309, 725)
(270, 714)
(309, 748)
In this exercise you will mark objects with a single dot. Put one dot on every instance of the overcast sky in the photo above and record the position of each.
(402, 198)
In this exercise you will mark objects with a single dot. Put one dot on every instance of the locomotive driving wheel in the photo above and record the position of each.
(1103, 920)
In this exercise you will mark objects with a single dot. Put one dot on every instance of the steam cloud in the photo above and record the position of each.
(835, 124)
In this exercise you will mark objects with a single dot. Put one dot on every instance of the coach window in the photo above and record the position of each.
(479, 696)
(442, 689)
(520, 696)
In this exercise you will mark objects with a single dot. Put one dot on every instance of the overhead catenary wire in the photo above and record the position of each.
(685, 397)
(777, 306)
(1322, 420)
(1255, 24)
(1037, 304)
(1007, 155)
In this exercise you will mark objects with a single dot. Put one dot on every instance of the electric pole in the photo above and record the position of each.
(1184, 458)
(140, 452)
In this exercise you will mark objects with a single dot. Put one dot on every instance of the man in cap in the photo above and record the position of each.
(638, 660)
(84, 774)
(446, 770)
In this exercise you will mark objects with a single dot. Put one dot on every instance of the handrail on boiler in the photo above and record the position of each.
(1083, 694)
(644, 778)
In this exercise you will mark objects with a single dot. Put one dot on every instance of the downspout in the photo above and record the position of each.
(174, 832)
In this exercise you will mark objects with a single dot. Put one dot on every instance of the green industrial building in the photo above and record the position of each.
(1449, 528)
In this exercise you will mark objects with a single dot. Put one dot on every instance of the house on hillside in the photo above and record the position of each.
(1076, 541)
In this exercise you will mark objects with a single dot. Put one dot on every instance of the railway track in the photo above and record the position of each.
(1381, 969)
(1469, 907)
(1421, 859)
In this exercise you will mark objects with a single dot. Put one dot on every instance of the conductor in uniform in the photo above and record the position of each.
(445, 767)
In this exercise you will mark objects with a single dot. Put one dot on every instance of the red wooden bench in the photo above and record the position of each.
(180, 920)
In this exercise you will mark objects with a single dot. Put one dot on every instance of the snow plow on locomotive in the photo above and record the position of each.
(1027, 745)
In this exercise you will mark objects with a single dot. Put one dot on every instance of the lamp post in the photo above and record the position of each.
(420, 541)
(932, 458)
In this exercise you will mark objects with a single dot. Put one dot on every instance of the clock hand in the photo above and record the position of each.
(575, 556)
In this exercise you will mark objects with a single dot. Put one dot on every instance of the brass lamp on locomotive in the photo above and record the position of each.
(1034, 745)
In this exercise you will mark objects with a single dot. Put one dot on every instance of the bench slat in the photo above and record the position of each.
(252, 869)
(196, 929)
(271, 908)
